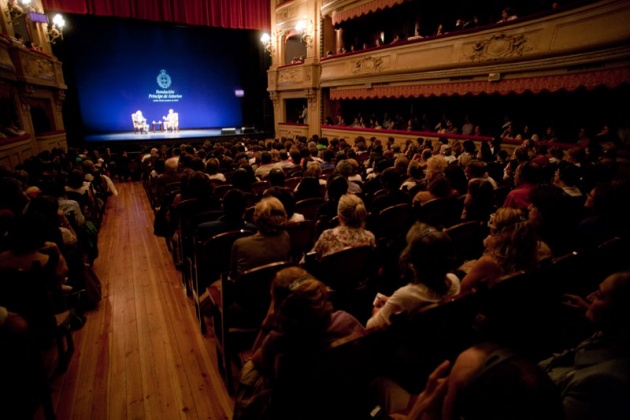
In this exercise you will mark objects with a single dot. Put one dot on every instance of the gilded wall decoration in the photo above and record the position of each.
(289, 75)
(286, 14)
(368, 65)
(39, 68)
(500, 46)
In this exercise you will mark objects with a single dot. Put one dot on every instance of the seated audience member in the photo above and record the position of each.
(288, 202)
(242, 179)
(266, 165)
(391, 193)
(415, 175)
(594, 376)
(309, 186)
(347, 170)
(71, 208)
(487, 381)
(555, 216)
(567, 177)
(234, 204)
(301, 323)
(507, 14)
(29, 244)
(271, 243)
(428, 258)
(351, 230)
(435, 167)
(439, 187)
(606, 214)
(336, 187)
(512, 245)
(525, 180)
(285, 160)
(171, 174)
(212, 170)
(276, 177)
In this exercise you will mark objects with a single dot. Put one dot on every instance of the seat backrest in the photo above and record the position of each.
(419, 342)
(333, 379)
(222, 189)
(440, 212)
(302, 236)
(308, 207)
(292, 182)
(212, 256)
(467, 238)
(251, 293)
(393, 221)
(350, 273)
(27, 293)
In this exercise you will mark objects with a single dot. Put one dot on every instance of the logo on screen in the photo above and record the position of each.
(163, 79)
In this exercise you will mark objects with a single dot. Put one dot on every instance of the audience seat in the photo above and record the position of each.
(28, 293)
(350, 273)
(308, 207)
(440, 212)
(241, 308)
(211, 258)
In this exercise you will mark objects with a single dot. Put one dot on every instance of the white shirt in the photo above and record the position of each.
(411, 298)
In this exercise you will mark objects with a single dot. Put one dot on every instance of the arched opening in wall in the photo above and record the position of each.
(296, 110)
(41, 115)
(294, 50)
(10, 123)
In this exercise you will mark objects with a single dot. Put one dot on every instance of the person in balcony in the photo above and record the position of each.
(507, 15)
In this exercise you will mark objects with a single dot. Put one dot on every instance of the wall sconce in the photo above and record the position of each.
(305, 30)
(15, 10)
(55, 30)
(265, 39)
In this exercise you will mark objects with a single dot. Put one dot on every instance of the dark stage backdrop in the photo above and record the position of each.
(114, 67)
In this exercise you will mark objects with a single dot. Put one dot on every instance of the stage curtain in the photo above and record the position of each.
(233, 14)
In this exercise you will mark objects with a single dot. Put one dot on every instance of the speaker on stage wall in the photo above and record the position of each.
(228, 131)
(248, 130)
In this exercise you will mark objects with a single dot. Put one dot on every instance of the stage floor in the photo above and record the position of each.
(198, 134)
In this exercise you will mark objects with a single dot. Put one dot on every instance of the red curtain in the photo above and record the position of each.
(233, 14)
(363, 9)
(570, 82)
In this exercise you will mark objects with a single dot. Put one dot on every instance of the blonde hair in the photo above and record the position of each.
(270, 217)
(514, 244)
(436, 165)
(351, 211)
(504, 217)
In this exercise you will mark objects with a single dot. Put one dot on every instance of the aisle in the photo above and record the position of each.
(140, 354)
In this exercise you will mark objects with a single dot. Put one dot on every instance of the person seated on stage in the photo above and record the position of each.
(140, 122)
(171, 121)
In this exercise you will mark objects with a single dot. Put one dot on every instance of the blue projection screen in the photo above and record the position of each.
(132, 65)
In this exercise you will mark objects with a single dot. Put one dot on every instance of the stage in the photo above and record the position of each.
(197, 135)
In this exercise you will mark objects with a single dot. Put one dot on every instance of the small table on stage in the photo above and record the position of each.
(158, 124)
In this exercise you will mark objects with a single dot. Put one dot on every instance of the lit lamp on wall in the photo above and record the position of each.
(15, 10)
(55, 30)
(305, 30)
(265, 39)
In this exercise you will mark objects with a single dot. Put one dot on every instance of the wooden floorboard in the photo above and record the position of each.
(140, 354)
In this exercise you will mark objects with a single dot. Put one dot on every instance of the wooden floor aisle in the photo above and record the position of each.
(140, 354)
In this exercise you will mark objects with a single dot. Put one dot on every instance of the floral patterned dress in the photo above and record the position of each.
(340, 237)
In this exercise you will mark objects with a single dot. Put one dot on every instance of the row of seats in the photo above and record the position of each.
(524, 312)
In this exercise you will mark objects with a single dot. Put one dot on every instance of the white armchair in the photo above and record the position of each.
(139, 123)
(171, 121)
